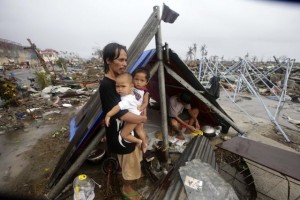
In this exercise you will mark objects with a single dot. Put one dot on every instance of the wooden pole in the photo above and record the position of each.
(43, 63)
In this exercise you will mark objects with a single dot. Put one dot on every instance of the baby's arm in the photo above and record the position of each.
(111, 113)
(145, 102)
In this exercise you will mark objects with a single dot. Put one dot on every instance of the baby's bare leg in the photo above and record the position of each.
(126, 133)
(139, 129)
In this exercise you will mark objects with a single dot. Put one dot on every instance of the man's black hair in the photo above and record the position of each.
(111, 52)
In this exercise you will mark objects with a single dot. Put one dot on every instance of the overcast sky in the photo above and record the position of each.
(229, 28)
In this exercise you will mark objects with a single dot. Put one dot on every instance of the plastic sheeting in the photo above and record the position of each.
(143, 59)
(201, 181)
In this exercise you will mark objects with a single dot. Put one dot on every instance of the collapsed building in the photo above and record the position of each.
(13, 55)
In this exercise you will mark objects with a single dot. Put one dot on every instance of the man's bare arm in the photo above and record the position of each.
(132, 118)
(192, 128)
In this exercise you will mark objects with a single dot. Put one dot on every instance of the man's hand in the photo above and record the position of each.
(107, 119)
(132, 118)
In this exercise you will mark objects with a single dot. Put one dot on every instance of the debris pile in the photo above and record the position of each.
(26, 99)
(271, 78)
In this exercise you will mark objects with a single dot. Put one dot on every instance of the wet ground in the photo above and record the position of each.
(28, 155)
(14, 143)
(250, 114)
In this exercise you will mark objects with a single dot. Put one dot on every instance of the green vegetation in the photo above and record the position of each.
(42, 80)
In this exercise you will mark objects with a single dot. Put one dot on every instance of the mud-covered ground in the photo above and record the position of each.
(27, 166)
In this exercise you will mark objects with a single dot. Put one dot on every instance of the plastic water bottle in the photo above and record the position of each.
(83, 188)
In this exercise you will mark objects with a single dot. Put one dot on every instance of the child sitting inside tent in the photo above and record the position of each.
(181, 115)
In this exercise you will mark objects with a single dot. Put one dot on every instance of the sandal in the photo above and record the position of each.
(134, 195)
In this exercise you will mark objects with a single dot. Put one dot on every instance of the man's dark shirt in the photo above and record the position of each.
(109, 98)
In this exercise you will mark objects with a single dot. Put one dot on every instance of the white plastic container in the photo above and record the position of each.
(83, 188)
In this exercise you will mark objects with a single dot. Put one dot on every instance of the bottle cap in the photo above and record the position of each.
(82, 177)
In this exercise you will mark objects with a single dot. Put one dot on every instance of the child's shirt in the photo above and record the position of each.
(131, 103)
(176, 107)
(139, 94)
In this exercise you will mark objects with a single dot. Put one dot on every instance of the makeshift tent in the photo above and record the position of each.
(148, 60)
(85, 125)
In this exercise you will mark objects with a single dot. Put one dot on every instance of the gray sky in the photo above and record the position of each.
(229, 28)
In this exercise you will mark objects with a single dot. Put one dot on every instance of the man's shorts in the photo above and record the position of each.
(131, 164)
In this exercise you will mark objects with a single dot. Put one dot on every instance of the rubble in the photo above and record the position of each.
(23, 100)
(268, 77)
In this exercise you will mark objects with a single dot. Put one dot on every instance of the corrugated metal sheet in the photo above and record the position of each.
(143, 38)
(171, 186)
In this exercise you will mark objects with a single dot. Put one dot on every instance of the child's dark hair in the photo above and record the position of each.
(142, 70)
(186, 97)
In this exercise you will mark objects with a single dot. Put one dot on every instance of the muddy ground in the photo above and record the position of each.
(37, 161)
(39, 157)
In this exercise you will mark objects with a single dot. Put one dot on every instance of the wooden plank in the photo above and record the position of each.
(143, 39)
(279, 160)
